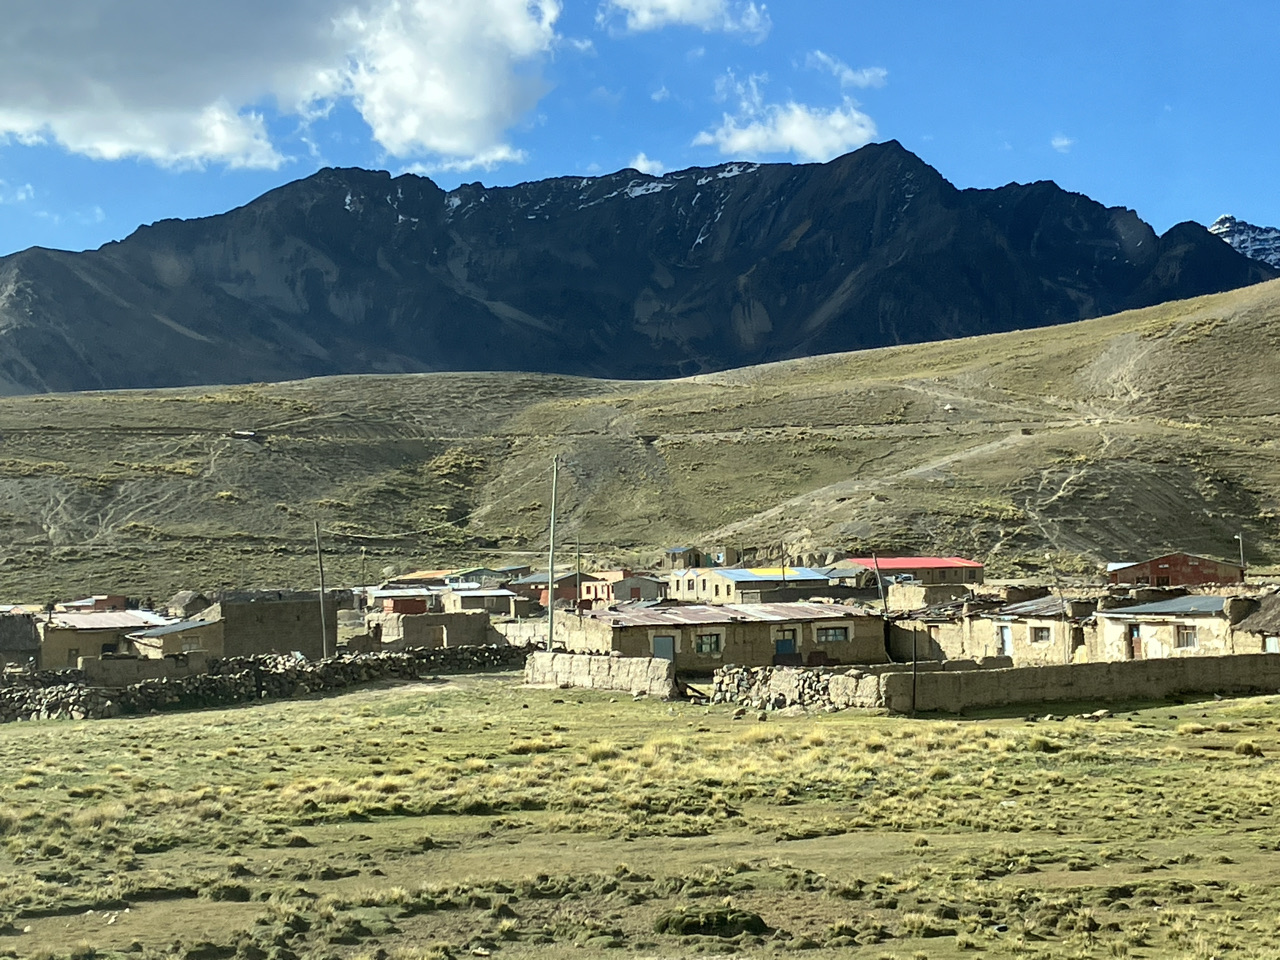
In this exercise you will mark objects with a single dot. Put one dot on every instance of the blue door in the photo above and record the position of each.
(664, 648)
(784, 645)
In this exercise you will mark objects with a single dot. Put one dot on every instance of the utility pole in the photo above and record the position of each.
(1240, 537)
(324, 630)
(551, 556)
(577, 576)
(1062, 604)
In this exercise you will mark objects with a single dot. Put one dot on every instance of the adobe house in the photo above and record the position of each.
(101, 603)
(534, 586)
(950, 630)
(681, 558)
(1182, 627)
(1176, 570)
(717, 585)
(621, 586)
(700, 638)
(496, 600)
(923, 569)
(66, 637)
(187, 636)
(277, 622)
(405, 599)
(1044, 631)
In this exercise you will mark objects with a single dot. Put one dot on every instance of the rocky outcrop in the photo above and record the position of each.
(1257, 243)
(626, 275)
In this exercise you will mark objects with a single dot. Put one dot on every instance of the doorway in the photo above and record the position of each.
(1006, 640)
(1134, 645)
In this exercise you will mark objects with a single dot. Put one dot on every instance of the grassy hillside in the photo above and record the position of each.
(1106, 439)
(473, 817)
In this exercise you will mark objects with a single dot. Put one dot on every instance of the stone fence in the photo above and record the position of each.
(991, 683)
(244, 680)
(647, 675)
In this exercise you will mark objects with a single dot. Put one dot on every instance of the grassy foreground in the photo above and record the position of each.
(477, 818)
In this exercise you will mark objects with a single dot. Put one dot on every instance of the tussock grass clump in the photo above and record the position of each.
(1247, 748)
(1191, 729)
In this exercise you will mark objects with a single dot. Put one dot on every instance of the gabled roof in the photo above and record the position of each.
(914, 563)
(1042, 608)
(182, 626)
(536, 579)
(1190, 606)
(1116, 568)
(711, 615)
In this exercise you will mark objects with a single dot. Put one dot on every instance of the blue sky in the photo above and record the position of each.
(121, 113)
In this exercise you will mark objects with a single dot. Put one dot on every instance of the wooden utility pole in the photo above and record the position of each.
(324, 629)
(551, 557)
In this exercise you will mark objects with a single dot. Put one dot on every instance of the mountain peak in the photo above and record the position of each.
(1257, 243)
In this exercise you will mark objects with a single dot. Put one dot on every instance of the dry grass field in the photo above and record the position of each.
(1099, 440)
(477, 818)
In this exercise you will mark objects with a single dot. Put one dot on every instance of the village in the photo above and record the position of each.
(700, 610)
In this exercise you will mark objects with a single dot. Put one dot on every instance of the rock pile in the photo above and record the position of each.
(769, 688)
(67, 701)
(240, 680)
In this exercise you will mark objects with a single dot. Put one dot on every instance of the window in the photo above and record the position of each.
(1041, 634)
(704, 583)
(691, 585)
(707, 643)
(1186, 637)
(833, 634)
(717, 589)
(72, 656)
(728, 589)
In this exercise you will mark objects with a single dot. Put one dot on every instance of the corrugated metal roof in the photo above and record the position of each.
(1169, 556)
(1042, 608)
(1192, 606)
(725, 613)
(180, 627)
(115, 620)
(913, 563)
(483, 593)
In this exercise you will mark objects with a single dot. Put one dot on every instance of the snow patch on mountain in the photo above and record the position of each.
(1257, 243)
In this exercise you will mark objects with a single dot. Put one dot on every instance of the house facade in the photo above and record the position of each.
(66, 637)
(924, 569)
(1176, 570)
(1182, 627)
(725, 585)
(1045, 631)
(700, 638)
(568, 586)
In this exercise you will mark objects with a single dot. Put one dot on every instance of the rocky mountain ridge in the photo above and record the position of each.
(621, 276)
(1257, 243)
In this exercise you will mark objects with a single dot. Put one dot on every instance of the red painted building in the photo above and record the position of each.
(1176, 570)
(924, 569)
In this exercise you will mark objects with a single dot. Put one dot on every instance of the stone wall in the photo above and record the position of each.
(237, 680)
(647, 675)
(467, 628)
(953, 687)
(122, 672)
(525, 633)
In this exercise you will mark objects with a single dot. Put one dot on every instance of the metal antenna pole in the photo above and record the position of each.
(1240, 537)
(324, 629)
(551, 556)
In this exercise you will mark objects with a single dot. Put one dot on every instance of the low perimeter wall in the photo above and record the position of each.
(954, 691)
(631, 674)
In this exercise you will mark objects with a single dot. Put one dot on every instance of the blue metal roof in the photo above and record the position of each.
(1191, 606)
(769, 574)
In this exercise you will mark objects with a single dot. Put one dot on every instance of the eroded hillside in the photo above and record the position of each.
(1098, 440)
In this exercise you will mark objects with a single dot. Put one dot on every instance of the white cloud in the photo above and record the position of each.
(185, 84)
(731, 16)
(644, 164)
(1062, 144)
(20, 194)
(845, 74)
(810, 133)
(662, 93)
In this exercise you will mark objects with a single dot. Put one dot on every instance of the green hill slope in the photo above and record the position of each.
(1106, 439)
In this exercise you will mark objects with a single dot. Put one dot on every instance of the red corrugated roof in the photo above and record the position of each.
(725, 613)
(912, 563)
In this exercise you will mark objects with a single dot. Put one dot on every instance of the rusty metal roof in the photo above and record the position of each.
(725, 613)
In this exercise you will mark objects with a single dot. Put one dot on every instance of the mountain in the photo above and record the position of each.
(1258, 243)
(1108, 439)
(624, 276)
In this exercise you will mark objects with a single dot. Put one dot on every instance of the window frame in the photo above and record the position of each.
(1181, 633)
(1042, 634)
(708, 644)
(828, 634)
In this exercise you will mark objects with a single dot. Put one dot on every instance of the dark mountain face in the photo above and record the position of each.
(626, 276)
